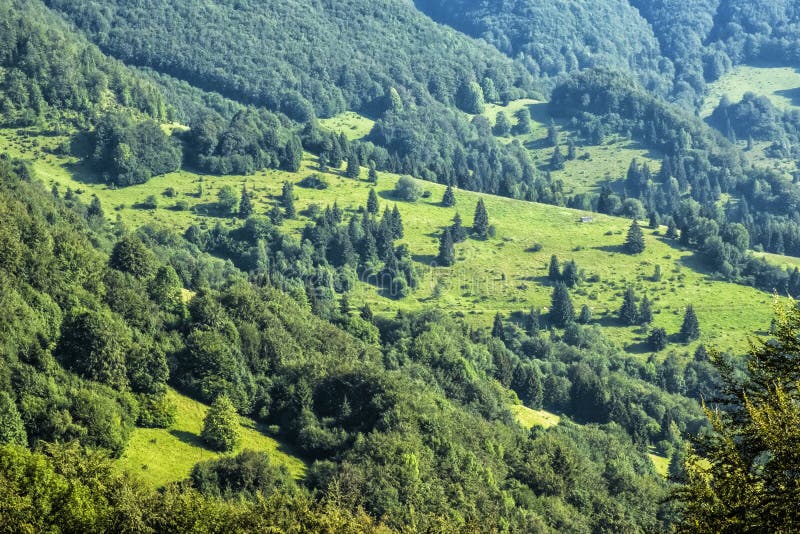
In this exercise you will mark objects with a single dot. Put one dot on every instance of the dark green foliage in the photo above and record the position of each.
(523, 125)
(629, 313)
(353, 168)
(657, 339)
(570, 275)
(502, 126)
(287, 200)
(498, 330)
(449, 198)
(248, 474)
(585, 317)
(447, 253)
(634, 241)
(372, 202)
(645, 311)
(131, 256)
(480, 222)
(245, 204)
(228, 200)
(561, 310)
(557, 159)
(128, 153)
(690, 329)
(221, 425)
(554, 269)
(457, 230)
(470, 98)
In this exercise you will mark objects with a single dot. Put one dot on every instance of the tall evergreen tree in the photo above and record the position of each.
(557, 159)
(12, 430)
(572, 150)
(372, 176)
(457, 230)
(532, 322)
(570, 274)
(366, 312)
(372, 202)
(245, 205)
(634, 241)
(628, 313)
(353, 167)
(498, 331)
(562, 312)
(657, 339)
(690, 329)
(449, 198)
(645, 311)
(397, 223)
(552, 135)
(554, 270)
(585, 317)
(480, 225)
(447, 254)
(287, 200)
(502, 126)
(523, 122)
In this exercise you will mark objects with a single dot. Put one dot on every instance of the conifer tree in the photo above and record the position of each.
(221, 425)
(12, 429)
(645, 311)
(653, 223)
(449, 198)
(628, 313)
(396, 223)
(447, 255)
(287, 199)
(532, 323)
(344, 305)
(570, 274)
(552, 135)
(497, 327)
(657, 339)
(366, 312)
(372, 176)
(634, 242)
(457, 230)
(672, 229)
(353, 169)
(585, 317)
(562, 311)
(572, 151)
(372, 202)
(523, 122)
(554, 270)
(557, 159)
(480, 225)
(245, 205)
(690, 329)
(502, 126)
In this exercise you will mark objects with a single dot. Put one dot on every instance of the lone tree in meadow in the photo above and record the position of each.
(552, 134)
(287, 200)
(634, 242)
(447, 253)
(557, 160)
(628, 313)
(502, 126)
(585, 317)
(570, 275)
(646, 311)
(372, 202)
(245, 204)
(449, 198)
(562, 311)
(228, 200)
(690, 329)
(657, 339)
(480, 225)
(554, 270)
(523, 122)
(221, 425)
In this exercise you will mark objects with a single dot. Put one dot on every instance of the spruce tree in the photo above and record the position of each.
(245, 205)
(572, 151)
(570, 274)
(287, 199)
(552, 134)
(480, 225)
(366, 312)
(532, 323)
(373, 173)
(690, 329)
(12, 430)
(502, 126)
(562, 311)
(353, 168)
(634, 242)
(657, 339)
(628, 313)
(449, 198)
(585, 317)
(457, 230)
(447, 254)
(653, 220)
(557, 159)
(523, 122)
(372, 203)
(344, 305)
(221, 425)
(554, 270)
(497, 327)
(672, 229)
(645, 311)
(396, 223)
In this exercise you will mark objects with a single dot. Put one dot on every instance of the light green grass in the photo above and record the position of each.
(350, 123)
(498, 275)
(661, 463)
(528, 418)
(780, 84)
(161, 456)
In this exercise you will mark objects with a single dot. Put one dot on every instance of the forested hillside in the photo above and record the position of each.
(216, 248)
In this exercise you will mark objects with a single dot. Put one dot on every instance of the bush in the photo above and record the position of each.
(314, 181)
(221, 425)
(407, 189)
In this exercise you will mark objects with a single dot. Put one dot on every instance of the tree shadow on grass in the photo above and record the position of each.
(429, 260)
(618, 249)
(792, 94)
(190, 439)
(641, 347)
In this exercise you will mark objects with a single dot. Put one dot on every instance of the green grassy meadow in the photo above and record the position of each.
(780, 84)
(501, 274)
(160, 456)
(528, 418)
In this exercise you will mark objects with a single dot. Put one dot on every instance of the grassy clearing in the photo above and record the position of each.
(661, 463)
(502, 274)
(780, 84)
(161, 456)
(350, 123)
(528, 418)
